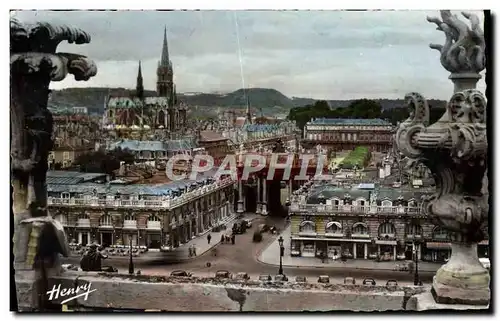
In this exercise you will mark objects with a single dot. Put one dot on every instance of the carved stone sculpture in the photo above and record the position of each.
(455, 149)
(38, 239)
(92, 259)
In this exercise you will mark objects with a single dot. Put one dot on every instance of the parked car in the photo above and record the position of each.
(391, 283)
(223, 274)
(248, 223)
(180, 273)
(108, 268)
(324, 279)
(281, 278)
(265, 277)
(300, 279)
(242, 276)
(349, 280)
(369, 281)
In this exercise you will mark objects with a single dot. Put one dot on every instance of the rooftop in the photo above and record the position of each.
(72, 178)
(320, 192)
(153, 146)
(349, 121)
(57, 184)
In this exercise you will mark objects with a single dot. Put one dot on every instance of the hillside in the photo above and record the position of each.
(270, 101)
(93, 98)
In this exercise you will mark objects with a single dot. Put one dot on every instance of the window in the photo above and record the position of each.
(386, 203)
(359, 228)
(413, 229)
(65, 195)
(307, 227)
(333, 227)
(105, 220)
(440, 233)
(386, 228)
(65, 155)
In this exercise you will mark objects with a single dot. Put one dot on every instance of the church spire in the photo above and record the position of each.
(249, 115)
(165, 60)
(139, 89)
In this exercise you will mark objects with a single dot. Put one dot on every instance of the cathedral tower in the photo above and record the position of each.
(139, 88)
(164, 72)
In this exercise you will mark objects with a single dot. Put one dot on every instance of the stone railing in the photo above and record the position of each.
(161, 293)
(313, 209)
(165, 204)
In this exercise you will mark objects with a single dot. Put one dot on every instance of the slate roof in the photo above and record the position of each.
(154, 146)
(319, 193)
(211, 136)
(348, 121)
(70, 178)
(261, 127)
(133, 189)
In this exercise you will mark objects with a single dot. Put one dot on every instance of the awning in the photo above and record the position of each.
(484, 242)
(385, 242)
(438, 245)
(359, 223)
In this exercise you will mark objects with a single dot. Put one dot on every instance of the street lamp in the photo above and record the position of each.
(416, 280)
(130, 263)
(282, 252)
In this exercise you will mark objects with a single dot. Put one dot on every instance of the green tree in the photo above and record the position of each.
(104, 162)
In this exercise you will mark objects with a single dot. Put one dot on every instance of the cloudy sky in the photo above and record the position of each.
(317, 54)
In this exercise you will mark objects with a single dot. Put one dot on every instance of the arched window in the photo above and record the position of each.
(386, 229)
(360, 201)
(62, 218)
(333, 227)
(440, 233)
(307, 227)
(83, 220)
(161, 118)
(386, 203)
(413, 229)
(105, 220)
(335, 201)
(154, 222)
(359, 228)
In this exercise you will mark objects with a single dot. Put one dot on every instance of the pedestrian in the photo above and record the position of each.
(194, 250)
(233, 238)
(190, 250)
(209, 237)
(227, 238)
(222, 238)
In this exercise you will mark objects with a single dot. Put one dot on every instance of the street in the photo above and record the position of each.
(242, 257)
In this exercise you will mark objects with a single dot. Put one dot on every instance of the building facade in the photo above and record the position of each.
(160, 216)
(365, 222)
(345, 134)
(130, 114)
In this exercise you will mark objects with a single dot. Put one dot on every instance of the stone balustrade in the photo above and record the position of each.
(312, 209)
(165, 204)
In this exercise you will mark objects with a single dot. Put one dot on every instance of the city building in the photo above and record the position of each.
(74, 135)
(214, 144)
(345, 134)
(134, 115)
(146, 151)
(365, 221)
(158, 216)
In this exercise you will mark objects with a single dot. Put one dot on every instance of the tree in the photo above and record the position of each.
(104, 162)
